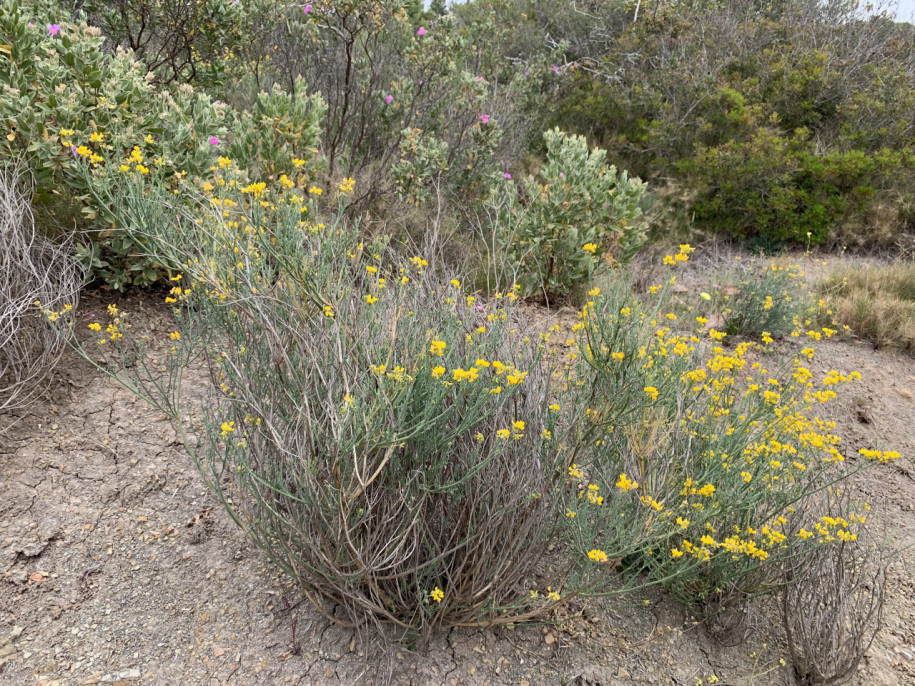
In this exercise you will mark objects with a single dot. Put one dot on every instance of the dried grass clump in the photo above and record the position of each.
(32, 269)
(833, 608)
(876, 302)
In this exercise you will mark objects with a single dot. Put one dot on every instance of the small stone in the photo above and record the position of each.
(623, 673)
(549, 639)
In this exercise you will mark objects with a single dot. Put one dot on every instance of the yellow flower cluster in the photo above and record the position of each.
(680, 257)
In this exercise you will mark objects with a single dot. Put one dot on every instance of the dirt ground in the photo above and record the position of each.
(118, 567)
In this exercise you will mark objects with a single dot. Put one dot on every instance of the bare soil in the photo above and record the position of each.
(118, 567)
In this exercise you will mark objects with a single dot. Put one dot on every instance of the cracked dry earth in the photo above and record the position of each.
(117, 567)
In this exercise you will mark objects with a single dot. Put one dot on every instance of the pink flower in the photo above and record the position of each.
(53, 29)
(73, 151)
(31, 25)
(421, 32)
(484, 118)
(506, 175)
(389, 99)
(307, 9)
(555, 68)
(214, 140)
(479, 78)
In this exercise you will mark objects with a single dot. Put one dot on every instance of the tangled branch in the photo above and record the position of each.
(32, 269)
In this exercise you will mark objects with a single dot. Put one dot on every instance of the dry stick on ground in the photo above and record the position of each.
(32, 269)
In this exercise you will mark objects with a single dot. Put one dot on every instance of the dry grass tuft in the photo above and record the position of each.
(877, 303)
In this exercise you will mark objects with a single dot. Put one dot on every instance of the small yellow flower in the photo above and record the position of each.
(503, 433)
(371, 299)
(589, 248)
(174, 335)
(598, 555)
(438, 348)
(437, 594)
(626, 484)
(438, 372)
(95, 326)
(651, 392)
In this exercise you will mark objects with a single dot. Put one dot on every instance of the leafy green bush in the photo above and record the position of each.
(765, 301)
(777, 190)
(781, 122)
(555, 233)
(415, 109)
(71, 107)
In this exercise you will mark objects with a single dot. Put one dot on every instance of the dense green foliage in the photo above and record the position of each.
(777, 125)
(775, 121)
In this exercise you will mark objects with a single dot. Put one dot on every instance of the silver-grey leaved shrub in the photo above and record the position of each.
(400, 447)
(555, 230)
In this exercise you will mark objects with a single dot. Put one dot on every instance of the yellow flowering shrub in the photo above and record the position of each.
(397, 446)
(719, 444)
